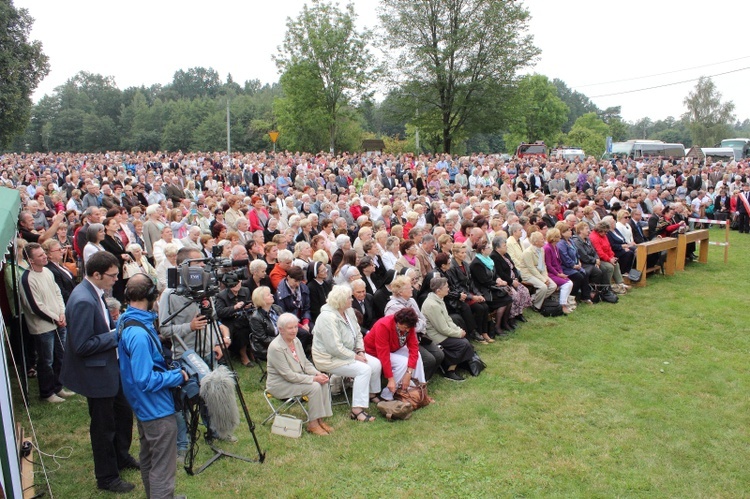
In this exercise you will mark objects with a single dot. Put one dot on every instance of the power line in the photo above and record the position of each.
(659, 74)
(668, 84)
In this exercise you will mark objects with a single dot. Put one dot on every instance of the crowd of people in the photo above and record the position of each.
(377, 268)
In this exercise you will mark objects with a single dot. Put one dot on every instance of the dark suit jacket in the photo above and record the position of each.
(64, 281)
(368, 314)
(638, 234)
(380, 300)
(90, 362)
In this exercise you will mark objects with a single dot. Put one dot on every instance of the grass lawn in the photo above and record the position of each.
(648, 397)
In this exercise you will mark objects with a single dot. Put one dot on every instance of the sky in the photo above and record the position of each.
(585, 43)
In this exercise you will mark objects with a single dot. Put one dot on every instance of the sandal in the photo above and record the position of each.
(376, 399)
(357, 416)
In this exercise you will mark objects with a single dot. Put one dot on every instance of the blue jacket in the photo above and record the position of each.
(146, 379)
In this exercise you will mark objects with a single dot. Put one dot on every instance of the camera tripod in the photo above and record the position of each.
(193, 407)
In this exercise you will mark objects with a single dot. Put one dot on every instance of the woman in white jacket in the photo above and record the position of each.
(338, 349)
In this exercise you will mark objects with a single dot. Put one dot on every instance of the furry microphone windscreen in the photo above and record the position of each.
(217, 391)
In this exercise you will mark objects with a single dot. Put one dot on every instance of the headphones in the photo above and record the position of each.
(151, 294)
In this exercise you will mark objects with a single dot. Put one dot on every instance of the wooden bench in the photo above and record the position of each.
(668, 244)
(691, 237)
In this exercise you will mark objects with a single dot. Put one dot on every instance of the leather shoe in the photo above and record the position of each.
(118, 486)
(318, 430)
(326, 427)
(521, 318)
(131, 464)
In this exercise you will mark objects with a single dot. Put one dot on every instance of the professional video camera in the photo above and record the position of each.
(198, 282)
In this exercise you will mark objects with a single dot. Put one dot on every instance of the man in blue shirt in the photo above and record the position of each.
(146, 381)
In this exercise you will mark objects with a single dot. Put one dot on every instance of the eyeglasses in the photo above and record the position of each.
(113, 275)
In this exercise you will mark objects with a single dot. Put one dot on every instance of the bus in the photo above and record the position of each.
(639, 149)
(741, 147)
(723, 154)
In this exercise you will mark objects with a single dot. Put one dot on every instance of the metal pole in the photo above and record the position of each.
(229, 133)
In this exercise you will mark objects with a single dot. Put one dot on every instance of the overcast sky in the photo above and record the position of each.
(583, 42)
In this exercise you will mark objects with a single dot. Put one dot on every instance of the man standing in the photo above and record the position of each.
(44, 311)
(146, 381)
(90, 368)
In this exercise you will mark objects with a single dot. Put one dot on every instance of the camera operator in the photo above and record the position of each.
(147, 383)
(187, 324)
(233, 306)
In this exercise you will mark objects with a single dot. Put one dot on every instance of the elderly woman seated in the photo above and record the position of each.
(402, 290)
(442, 330)
(600, 242)
(338, 348)
(621, 240)
(393, 341)
(293, 296)
(534, 270)
(290, 374)
(263, 322)
(555, 271)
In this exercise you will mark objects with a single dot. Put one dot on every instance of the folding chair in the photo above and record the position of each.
(284, 405)
(343, 394)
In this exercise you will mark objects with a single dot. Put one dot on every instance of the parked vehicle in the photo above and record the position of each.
(723, 154)
(533, 150)
(740, 145)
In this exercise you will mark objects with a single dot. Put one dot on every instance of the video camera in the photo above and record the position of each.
(198, 282)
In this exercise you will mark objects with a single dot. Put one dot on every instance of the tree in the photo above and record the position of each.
(22, 67)
(456, 59)
(324, 43)
(589, 132)
(538, 112)
(709, 119)
(578, 104)
(195, 82)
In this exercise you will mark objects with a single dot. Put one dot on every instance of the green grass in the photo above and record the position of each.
(646, 398)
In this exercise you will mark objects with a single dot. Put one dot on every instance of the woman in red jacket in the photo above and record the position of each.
(393, 341)
(258, 216)
(600, 242)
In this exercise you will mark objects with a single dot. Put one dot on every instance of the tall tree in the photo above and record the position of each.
(578, 103)
(538, 112)
(457, 58)
(22, 67)
(324, 42)
(710, 119)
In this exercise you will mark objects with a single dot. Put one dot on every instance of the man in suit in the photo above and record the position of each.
(388, 181)
(90, 368)
(635, 225)
(362, 303)
(694, 181)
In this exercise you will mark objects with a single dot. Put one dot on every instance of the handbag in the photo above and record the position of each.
(395, 409)
(415, 394)
(476, 365)
(130, 269)
(287, 426)
(70, 263)
(635, 275)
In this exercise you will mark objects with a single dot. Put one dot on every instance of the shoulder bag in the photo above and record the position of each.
(287, 426)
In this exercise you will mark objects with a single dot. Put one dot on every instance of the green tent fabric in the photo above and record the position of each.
(10, 205)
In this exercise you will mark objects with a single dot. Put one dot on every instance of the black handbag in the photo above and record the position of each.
(476, 365)
(635, 275)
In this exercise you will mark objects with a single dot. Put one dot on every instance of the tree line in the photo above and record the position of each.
(454, 85)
